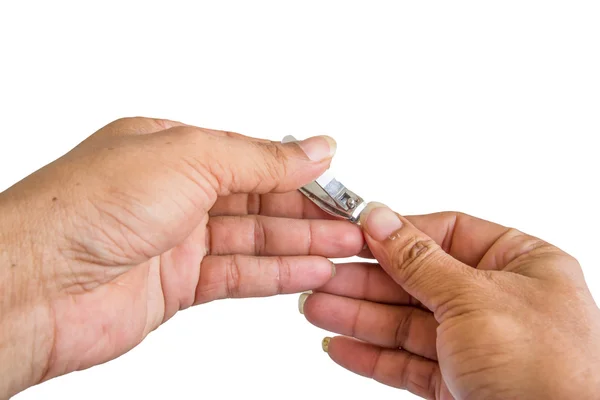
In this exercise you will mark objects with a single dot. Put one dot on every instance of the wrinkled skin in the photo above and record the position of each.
(461, 308)
(143, 219)
(147, 217)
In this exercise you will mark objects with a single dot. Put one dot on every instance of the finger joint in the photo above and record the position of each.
(413, 256)
(276, 161)
(403, 327)
(259, 237)
(233, 277)
(284, 275)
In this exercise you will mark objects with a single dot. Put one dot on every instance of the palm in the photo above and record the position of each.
(118, 313)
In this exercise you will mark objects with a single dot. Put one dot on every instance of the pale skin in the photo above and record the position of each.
(148, 217)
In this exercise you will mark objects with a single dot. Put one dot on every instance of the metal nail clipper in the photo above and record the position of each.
(332, 196)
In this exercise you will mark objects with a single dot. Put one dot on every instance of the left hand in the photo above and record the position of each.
(462, 308)
(143, 219)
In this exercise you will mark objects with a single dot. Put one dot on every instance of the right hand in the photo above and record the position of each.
(462, 308)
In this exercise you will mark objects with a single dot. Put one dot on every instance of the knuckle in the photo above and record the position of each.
(274, 160)
(186, 135)
(208, 238)
(117, 126)
(525, 243)
(419, 378)
(424, 383)
(161, 123)
(490, 276)
(232, 135)
(376, 365)
(358, 316)
(124, 121)
(259, 237)
(521, 247)
(233, 277)
(273, 150)
(130, 122)
(405, 369)
(411, 256)
(254, 204)
(403, 327)
(571, 266)
(220, 177)
(310, 237)
(572, 261)
(284, 275)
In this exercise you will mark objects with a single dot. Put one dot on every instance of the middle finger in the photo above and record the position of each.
(268, 236)
(286, 205)
(367, 281)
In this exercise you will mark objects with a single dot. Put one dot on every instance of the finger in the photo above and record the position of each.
(238, 276)
(367, 281)
(269, 236)
(523, 254)
(232, 165)
(464, 237)
(285, 205)
(414, 260)
(410, 328)
(396, 368)
(489, 246)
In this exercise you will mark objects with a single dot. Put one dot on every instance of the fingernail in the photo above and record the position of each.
(333, 270)
(325, 344)
(318, 148)
(301, 301)
(379, 221)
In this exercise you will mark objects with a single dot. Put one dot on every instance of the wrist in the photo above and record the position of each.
(25, 315)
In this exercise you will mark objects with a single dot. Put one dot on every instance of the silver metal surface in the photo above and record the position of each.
(332, 196)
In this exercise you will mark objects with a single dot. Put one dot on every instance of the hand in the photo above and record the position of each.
(145, 218)
(461, 308)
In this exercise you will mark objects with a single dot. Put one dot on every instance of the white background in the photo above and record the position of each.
(491, 108)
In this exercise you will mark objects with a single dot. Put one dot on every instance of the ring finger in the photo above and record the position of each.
(409, 328)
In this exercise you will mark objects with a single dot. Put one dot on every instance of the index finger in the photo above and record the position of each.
(464, 237)
(284, 205)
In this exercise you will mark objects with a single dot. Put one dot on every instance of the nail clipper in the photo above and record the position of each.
(332, 196)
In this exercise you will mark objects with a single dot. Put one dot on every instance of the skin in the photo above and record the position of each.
(148, 217)
(143, 219)
(461, 308)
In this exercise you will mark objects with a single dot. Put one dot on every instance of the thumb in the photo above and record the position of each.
(240, 165)
(414, 260)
